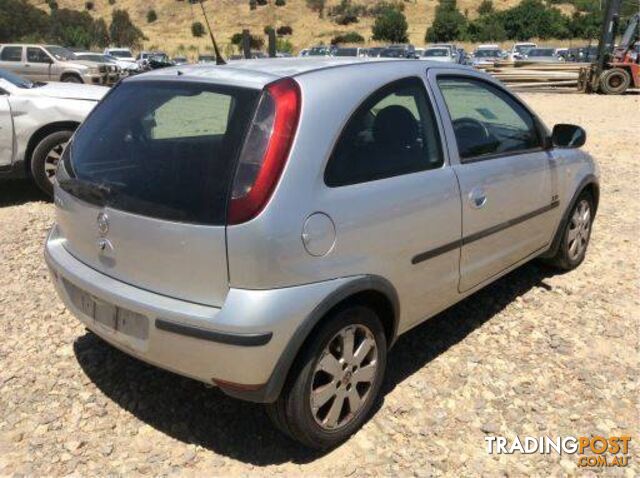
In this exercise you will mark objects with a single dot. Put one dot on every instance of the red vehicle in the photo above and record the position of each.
(616, 69)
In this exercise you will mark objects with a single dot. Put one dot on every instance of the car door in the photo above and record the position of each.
(395, 201)
(507, 178)
(6, 131)
(38, 64)
(11, 59)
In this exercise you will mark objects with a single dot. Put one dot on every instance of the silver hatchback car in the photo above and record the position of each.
(271, 227)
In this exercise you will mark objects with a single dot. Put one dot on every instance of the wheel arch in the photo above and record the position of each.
(42, 133)
(370, 290)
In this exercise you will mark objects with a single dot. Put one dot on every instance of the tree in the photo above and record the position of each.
(533, 19)
(487, 28)
(122, 30)
(100, 34)
(449, 23)
(390, 26)
(33, 21)
(71, 28)
(152, 16)
(197, 29)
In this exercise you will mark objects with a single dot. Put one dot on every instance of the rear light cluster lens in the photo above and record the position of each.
(265, 150)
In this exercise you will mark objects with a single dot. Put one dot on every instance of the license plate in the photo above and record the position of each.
(116, 318)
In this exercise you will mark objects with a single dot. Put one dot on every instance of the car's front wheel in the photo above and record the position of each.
(576, 234)
(334, 387)
(44, 160)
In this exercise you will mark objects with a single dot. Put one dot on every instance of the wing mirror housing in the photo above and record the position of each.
(568, 136)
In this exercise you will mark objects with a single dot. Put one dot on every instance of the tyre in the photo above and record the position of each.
(332, 390)
(71, 79)
(615, 81)
(576, 235)
(44, 160)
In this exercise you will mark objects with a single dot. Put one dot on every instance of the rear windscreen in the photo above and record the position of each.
(164, 149)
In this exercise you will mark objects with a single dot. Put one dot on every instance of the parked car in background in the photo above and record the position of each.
(403, 50)
(440, 54)
(36, 121)
(126, 67)
(180, 60)
(544, 55)
(519, 50)
(51, 63)
(303, 52)
(124, 59)
(207, 224)
(486, 56)
(320, 50)
(144, 57)
(453, 50)
(122, 54)
(114, 71)
(349, 51)
(209, 58)
(375, 51)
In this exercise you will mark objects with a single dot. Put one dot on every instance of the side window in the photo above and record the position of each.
(487, 120)
(37, 55)
(393, 132)
(11, 53)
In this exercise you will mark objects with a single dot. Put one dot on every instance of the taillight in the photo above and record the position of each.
(265, 150)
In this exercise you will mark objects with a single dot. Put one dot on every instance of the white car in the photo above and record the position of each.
(519, 50)
(36, 122)
(123, 58)
(439, 53)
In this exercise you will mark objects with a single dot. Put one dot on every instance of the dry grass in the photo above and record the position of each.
(172, 31)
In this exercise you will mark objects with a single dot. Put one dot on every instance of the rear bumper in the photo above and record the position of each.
(237, 347)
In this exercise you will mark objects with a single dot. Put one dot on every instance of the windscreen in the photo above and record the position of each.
(161, 149)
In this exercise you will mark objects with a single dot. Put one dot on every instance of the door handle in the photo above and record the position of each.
(478, 197)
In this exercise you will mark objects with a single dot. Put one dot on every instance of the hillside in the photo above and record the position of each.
(172, 30)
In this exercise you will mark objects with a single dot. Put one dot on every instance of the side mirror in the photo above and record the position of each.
(568, 136)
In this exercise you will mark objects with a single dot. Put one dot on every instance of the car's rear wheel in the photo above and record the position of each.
(576, 234)
(44, 160)
(331, 392)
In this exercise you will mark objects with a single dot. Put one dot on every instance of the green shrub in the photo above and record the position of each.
(351, 37)
(122, 30)
(197, 29)
(449, 23)
(280, 3)
(390, 26)
(152, 16)
(284, 30)
(89, 5)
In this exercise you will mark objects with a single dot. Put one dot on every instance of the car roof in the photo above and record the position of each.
(258, 72)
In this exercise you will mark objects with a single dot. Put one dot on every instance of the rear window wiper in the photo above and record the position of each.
(94, 193)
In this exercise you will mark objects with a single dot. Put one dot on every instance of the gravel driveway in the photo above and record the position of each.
(533, 354)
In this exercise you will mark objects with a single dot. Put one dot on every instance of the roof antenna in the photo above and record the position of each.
(219, 59)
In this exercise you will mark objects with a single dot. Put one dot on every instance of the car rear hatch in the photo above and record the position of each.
(143, 187)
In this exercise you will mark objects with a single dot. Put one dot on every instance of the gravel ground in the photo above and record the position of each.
(533, 354)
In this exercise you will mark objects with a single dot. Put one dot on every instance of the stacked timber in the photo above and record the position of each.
(525, 73)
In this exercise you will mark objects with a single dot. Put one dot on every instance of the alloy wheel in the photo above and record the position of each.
(579, 230)
(51, 161)
(343, 377)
